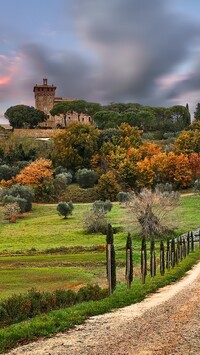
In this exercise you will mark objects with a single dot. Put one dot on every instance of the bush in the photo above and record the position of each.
(11, 212)
(65, 208)
(7, 199)
(164, 187)
(62, 180)
(196, 186)
(77, 195)
(96, 222)
(86, 178)
(60, 183)
(104, 206)
(23, 192)
(151, 209)
(20, 307)
(123, 197)
(7, 172)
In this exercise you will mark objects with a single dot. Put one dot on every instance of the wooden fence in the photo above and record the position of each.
(175, 250)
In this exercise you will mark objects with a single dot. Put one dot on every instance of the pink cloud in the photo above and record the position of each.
(5, 80)
(169, 80)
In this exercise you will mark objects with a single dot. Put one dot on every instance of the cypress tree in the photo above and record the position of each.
(143, 260)
(152, 259)
(129, 260)
(110, 257)
(162, 258)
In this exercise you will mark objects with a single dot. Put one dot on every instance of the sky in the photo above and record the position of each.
(144, 51)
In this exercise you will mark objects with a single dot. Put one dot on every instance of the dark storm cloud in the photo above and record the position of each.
(137, 43)
(125, 48)
(67, 70)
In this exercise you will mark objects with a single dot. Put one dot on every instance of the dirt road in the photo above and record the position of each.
(166, 323)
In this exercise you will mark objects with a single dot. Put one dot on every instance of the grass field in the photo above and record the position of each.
(78, 258)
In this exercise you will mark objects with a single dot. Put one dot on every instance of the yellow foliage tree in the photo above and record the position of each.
(37, 174)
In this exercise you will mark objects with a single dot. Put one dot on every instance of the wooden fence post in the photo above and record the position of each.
(110, 259)
(143, 260)
(188, 243)
(129, 261)
(162, 258)
(184, 248)
(168, 255)
(173, 253)
(152, 259)
(192, 241)
(181, 248)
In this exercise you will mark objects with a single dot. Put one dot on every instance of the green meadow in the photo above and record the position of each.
(45, 251)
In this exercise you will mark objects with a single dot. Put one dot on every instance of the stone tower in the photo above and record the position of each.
(44, 96)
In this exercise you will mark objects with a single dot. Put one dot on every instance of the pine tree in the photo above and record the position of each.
(197, 112)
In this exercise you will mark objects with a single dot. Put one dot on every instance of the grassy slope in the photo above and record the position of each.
(56, 321)
(43, 228)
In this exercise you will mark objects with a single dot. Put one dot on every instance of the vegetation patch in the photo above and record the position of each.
(59, 320)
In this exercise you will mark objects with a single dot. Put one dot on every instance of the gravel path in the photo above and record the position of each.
(165, 323)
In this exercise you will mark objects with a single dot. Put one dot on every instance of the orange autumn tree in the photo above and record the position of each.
(194, 161)
(178, 169)
(36, 174)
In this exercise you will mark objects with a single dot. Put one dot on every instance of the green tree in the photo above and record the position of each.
(22, 116)
(106, 119)
(179, 117)
(22, 192)
(65, 209)
(197, 112)
(74, 146)
(79, 106)
(86, 177)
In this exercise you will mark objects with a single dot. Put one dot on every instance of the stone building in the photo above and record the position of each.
(45, 99)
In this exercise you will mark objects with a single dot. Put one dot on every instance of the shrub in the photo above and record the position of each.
(7, 199)
(76, 194)
(11, 212)
(60, 183)
(104, 206)
(196, 186)
(62, 180)
(123, 196)
(86, 178)
(20, 307)
(65, 208)
(151, 209)
(91, 293)
(164, 187)
(23, 192)
(96, 222)
(7, 172)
